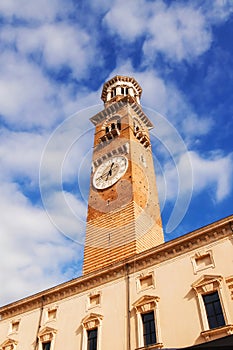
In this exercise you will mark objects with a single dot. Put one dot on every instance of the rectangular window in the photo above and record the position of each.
(213, 310)
(92, 339)
(46, 346)
(149, 328)
(113, 92)
(124, 91)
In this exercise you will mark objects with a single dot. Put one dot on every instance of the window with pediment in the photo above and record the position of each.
(148, 323)
(47, 338)
(9, 344)
(214, 315)
(92, 325)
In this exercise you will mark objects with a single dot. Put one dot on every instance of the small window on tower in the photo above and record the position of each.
(124, 91)
(113, 92)
(119, 125)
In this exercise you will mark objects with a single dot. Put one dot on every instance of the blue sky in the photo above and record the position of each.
(55, 57)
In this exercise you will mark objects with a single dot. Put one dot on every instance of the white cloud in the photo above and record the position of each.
(25, 92)
(126, 18)
(33, 253)
(178, 32)
(34, 10)
(214, 172)
(192, 125)
(20, 154)
(218, 11)
(60, 45)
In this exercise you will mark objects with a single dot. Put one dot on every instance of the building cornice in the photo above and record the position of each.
(206, 235)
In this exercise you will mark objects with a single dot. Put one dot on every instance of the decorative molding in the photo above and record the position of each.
(218, 332)
(182, 245)
(145, 281)
(146, 303)
(9, 344)
(120, 78)
(46, 334)
(123, 149)
(115, 107)
(151, 347)
(92, 321)
(202, 260)
(207, 283)
(229, 282)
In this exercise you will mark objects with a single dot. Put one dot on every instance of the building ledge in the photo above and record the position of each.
(151, 347)
(216, 333)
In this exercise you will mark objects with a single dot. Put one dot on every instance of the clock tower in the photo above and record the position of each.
(123, 216)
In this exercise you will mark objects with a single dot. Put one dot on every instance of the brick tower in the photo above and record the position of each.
(123, 209)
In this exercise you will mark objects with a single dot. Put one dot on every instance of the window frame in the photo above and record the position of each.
(213, 318)
(90, 339)
(90, 322)
(46, 335)
(144, 305)
(149, 331)
(45, 343)
(208, 284)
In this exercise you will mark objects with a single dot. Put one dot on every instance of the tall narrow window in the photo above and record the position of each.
(149, 328)
(113, 92)
(92, 339)
(213, 310)
(124, 91)
(46, 346)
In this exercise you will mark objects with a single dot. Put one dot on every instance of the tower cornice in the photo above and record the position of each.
(115, 107)
(120, 79)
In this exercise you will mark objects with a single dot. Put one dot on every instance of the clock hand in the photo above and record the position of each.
(110, 170)
(103, 175)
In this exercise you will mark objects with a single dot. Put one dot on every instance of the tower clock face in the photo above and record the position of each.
(109, 172)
